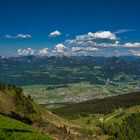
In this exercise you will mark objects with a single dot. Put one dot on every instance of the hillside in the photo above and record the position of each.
(122, 124)
(115, 118)
(11, 129)
(101, 119)
(101, 106)
(129, 129)
(15, 105)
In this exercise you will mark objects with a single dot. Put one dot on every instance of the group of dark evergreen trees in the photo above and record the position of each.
(128, 130)
(22, 103)
(101, 106)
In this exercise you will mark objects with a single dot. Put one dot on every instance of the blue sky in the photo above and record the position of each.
(26, 25)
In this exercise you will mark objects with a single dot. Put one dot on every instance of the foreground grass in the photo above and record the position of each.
(11, 129)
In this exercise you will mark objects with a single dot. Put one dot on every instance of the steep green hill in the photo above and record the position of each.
(15, 105)
(103, 119)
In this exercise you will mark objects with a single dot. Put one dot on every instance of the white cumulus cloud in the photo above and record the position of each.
(18, 36)
(23, 36)
(91, 39)
(27, 51)
(55, 34)
(91, 49)
(128, 44)
(60, 48)
(30, 51)
(86, 49)
(104, 35)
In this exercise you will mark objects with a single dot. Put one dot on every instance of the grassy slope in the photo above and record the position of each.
(107, 116)
(11, 129)
(109, 124)
(85, 127)
(116, 116)
(40, 118)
